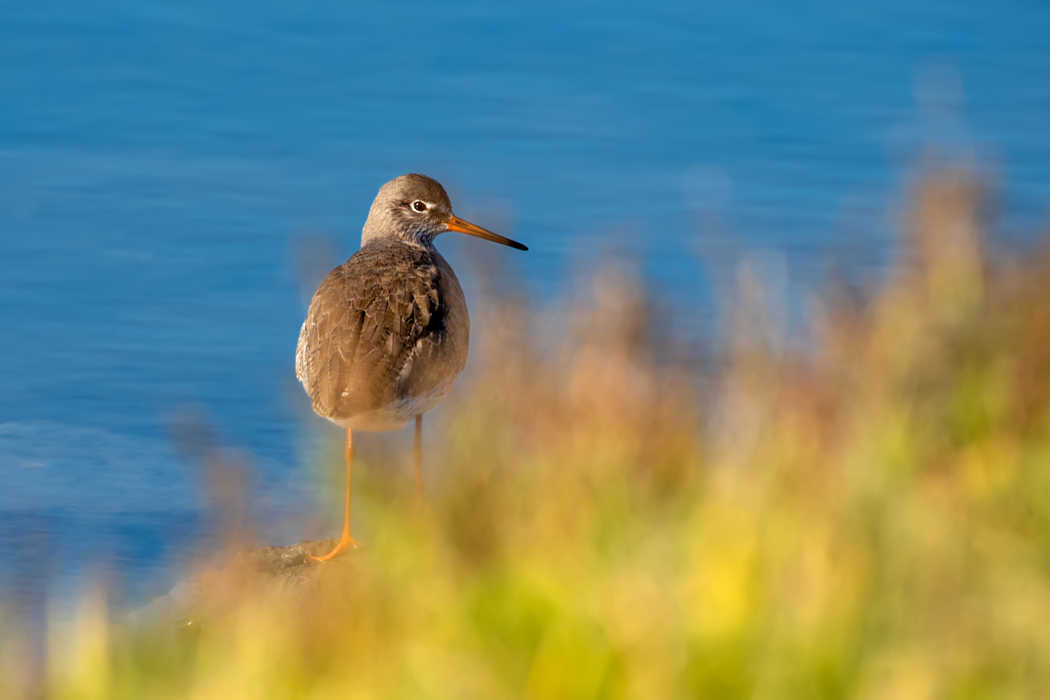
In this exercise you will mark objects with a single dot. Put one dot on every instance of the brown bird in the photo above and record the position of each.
(387, 331)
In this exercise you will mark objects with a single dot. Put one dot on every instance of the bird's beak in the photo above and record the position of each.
(455, 223)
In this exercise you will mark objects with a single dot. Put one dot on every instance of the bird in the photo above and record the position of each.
(386, 333)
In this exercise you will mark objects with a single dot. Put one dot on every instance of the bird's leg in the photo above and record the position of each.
(346, 541)
(417, 458)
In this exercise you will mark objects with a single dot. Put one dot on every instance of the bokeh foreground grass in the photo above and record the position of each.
(864, 514)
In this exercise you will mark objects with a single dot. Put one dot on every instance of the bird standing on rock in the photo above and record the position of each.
(387, 331)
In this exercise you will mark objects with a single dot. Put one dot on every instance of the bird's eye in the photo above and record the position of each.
(419, 205)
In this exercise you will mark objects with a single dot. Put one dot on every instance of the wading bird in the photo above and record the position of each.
(387, 331)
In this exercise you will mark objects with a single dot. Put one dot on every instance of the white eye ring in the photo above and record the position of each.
(419, 205)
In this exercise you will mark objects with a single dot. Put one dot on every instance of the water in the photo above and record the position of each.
(161, 164)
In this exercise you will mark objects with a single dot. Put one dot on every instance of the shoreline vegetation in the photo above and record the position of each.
(861, 512)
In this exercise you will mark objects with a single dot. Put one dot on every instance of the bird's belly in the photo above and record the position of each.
(396, 414)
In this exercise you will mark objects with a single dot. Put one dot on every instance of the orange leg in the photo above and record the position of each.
(346, 541)
(417, 458)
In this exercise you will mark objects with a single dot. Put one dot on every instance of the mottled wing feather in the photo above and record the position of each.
(376, 332)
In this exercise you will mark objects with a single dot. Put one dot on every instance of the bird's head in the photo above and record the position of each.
(415, 208)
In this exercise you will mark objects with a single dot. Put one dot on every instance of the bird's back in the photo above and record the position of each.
(385, 337)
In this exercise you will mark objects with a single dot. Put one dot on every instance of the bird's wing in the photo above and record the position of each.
(370, 323)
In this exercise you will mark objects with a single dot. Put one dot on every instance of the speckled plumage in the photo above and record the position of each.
(385, 337)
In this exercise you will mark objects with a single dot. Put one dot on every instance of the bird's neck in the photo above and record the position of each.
(386, 230)
(406, 238)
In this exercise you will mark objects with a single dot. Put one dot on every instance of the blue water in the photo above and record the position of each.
(163, 166)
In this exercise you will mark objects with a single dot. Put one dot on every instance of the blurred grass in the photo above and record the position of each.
(863, 513)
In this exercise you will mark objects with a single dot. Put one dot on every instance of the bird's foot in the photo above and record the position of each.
(347, 542)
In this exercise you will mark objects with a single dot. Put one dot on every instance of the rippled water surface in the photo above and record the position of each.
(163, 166)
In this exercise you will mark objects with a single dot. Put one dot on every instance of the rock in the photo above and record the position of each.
(286, 572)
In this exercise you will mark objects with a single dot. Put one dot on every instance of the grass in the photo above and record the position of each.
(863, 514)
